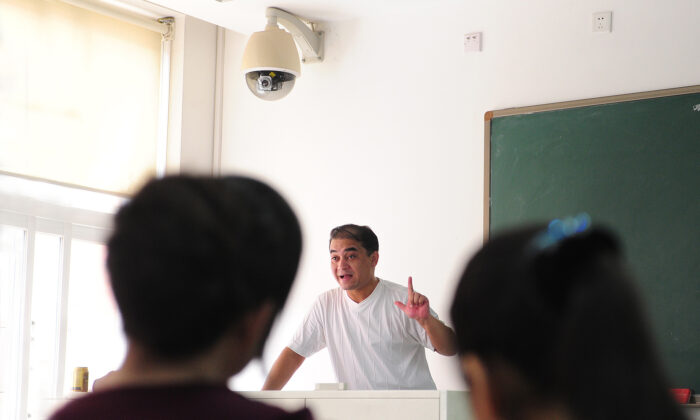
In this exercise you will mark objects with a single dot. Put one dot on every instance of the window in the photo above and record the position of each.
(91, 307)
(56, 308)
(13, 244)
(83, 97)
(44, 324)
(79, 97)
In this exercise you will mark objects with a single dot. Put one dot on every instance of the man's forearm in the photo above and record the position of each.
(441, 336)
(284, 367)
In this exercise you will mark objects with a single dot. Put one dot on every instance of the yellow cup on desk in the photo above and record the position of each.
(80, 379)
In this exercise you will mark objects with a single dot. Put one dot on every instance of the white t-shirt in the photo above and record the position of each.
(372, 344)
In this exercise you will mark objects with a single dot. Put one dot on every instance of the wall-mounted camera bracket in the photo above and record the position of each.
(309, 41)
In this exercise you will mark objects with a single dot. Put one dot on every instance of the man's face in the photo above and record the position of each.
(352, 267)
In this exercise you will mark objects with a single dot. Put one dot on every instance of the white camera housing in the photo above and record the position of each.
(271, 63)
(271, 60)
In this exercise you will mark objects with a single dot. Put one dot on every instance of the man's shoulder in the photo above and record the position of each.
(331, 295)
(327, 301)
(393, 288)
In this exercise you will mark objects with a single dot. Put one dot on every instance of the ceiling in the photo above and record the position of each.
(246, 16)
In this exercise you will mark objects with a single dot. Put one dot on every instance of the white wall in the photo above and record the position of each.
(388, 130)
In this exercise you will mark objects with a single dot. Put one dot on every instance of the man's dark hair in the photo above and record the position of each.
(561, 325)
(190, 256)
(361, 234)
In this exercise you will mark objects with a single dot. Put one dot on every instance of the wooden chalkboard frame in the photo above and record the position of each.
(489, 115)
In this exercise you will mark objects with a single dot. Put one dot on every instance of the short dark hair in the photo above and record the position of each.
(560, 325)
(190, 256)
(361, 234)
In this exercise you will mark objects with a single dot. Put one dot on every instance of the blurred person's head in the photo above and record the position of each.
(197, 260)
(549, 325)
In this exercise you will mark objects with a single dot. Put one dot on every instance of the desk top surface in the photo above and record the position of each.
(349, 394)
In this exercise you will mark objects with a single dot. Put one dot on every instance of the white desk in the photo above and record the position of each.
(386, 405)
(364, 405)
(371, 405)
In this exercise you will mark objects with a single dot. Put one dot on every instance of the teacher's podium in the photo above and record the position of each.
(371, 405)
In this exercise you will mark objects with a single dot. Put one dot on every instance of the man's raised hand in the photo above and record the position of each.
(417, 306)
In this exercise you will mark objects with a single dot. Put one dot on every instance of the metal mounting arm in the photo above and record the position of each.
(310, 42)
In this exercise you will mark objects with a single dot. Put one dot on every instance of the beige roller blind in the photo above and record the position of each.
(78, 95)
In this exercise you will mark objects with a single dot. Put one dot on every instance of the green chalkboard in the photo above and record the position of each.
(633, 163)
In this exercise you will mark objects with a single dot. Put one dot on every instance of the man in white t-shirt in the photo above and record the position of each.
(375, 340)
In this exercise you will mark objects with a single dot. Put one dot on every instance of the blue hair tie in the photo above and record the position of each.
(559, 229)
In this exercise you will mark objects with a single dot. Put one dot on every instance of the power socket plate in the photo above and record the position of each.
(602, 22)
(472, 42)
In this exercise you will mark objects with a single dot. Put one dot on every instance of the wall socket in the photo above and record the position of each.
(602, 22)
(472, 42)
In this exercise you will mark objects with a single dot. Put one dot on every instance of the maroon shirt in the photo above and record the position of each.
(172, 402)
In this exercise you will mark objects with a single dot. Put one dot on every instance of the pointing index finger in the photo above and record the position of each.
(410, 286)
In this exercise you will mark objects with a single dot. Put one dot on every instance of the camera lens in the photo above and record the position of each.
(269, 85)
(265, 83)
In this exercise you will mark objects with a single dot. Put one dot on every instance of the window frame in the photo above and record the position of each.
(48, 212)
(69, 224)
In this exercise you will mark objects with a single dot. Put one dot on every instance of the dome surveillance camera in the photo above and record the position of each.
(271, 60)
(271, 63)
(270, 85)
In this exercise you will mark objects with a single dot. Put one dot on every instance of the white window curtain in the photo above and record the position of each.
(79, 96)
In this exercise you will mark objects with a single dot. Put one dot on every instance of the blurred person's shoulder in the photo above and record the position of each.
(172, 402)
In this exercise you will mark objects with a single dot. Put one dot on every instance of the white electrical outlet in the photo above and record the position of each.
(602, 22)
(472, 42)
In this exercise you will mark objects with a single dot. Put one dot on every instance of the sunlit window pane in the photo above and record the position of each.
(95, 339)
(44, 321)
(12, 269)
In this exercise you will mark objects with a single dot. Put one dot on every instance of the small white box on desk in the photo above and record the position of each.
(333, 386)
